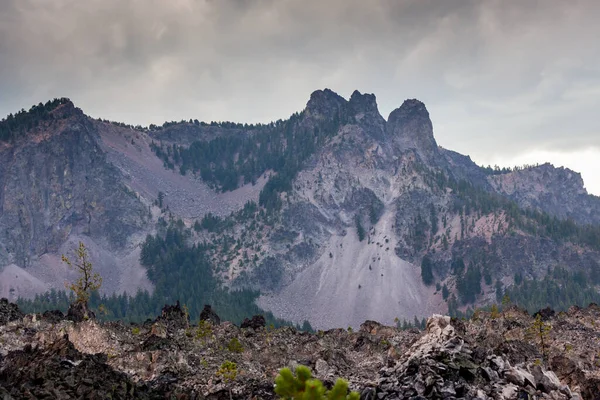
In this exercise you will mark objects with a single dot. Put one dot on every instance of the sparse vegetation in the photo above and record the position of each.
(427, 271)
(228, 371)
(204, 330)
(235, 346)
(494, 313)
(14, 125)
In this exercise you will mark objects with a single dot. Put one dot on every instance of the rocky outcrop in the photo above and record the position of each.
(174, 316)
(256, 322)
(410, 128)
(60, 371)
(9, 312)
(442, 364)
(325, 105)
(209, 315)
(363, 107)
(78, 312)
(462, 168)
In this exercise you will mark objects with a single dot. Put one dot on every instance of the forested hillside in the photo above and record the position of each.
(336, 208)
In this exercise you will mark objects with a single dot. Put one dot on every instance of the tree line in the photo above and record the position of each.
(179, 272)
(23, 121)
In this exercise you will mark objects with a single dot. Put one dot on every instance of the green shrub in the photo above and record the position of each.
(235, 346)
(228, 371)
(303, 386)
(204, 330)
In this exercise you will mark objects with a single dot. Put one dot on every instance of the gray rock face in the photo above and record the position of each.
(57, 185)
(557, 191)
(410, 127)
(366, 114)
(325, 105)
(208, 314)
(462, 168)
(392, 173)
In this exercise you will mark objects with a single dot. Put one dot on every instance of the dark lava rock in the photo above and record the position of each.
(545, 313)
(257, 321)
(61, 372)
(9, 312)
(208, 314)
(156, 343)
(174, 316)
(79, 312)
(53, 316)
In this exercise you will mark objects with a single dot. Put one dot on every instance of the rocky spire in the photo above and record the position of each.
(364, 109)
(363, 103)
(409, 127)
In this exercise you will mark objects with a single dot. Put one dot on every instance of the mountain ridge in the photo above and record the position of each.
(320, 178)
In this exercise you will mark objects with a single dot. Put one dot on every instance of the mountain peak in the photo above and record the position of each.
(364, 109)
(324, 102)
(410, 127)
(66, 108)
(365, 103)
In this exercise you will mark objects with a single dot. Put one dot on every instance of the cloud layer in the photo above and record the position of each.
(503, 81)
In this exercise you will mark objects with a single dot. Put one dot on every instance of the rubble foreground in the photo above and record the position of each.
(491, 356)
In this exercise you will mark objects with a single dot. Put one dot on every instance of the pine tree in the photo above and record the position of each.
(427, 271)
(539, 330)
(359, 228)
(88, 280)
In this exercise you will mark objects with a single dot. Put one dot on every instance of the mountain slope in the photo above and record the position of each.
(336, 214)
(58, 187)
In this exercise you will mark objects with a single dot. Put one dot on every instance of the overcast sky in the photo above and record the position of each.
(506, 82)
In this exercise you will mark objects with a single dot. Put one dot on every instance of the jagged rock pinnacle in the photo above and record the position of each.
(364, 109)
(410, 127)
(325, 103)
(363, 103)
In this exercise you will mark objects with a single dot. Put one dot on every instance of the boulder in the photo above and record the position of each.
(547, 381)
(256, 322)
(545, 313)
(53, 316)
(79, 312)
(519, 377)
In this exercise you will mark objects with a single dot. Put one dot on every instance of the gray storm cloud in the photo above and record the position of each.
(499, 78)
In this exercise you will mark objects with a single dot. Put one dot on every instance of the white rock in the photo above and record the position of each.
(321, 367)
(509, 392)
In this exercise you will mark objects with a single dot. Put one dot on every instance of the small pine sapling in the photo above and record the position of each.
(235, 346)
(304, 387)
(494, 313)
(539, 330)
(228, 371)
